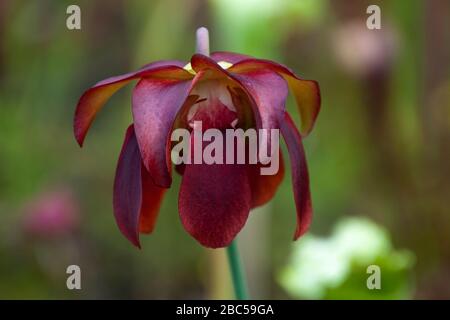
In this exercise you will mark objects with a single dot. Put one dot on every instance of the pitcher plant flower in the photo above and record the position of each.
(222, 90)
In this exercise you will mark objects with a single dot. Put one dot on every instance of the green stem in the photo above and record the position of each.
(237, 273)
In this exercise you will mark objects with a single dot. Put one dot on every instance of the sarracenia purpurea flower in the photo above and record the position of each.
(214, 199)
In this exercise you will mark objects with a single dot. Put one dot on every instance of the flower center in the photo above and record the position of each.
(215, 108)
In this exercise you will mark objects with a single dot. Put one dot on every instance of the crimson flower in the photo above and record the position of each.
(214, 199)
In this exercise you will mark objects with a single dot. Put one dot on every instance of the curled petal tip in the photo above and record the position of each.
(300, 231)
(78, 137)
(135, 242)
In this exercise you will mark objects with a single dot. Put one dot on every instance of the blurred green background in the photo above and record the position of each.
(379, 156)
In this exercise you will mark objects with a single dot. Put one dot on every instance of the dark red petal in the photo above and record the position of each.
(152, 196)
(306, 92)
(156, 103)
(94, 98)
(269, 91)
(264, 187)
(128, 188)
(136, 200)
(214, 202)
(300, 178)
(230, 57)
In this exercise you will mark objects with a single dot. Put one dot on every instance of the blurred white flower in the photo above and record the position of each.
(319, 264)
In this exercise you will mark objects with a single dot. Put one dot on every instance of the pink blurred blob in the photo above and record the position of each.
(51, 215)
(361, 51)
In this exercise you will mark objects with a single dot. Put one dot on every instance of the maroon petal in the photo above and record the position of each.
(94, 98)
(306, 92)
(269, 91)
(230, 57)
(136, 199)
(300, 178)
(214, 202)
(156, 103)
(264, 187)
(152, 197)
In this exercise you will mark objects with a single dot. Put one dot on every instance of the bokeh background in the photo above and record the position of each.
(379, 156)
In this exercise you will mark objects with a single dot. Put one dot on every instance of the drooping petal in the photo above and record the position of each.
(300, 177)
(156, 103)
(264, 187)
(306, 92)
(94, 98)
(136, 199)
(230, 57)
(214, 201)
(152, 197)
(269, 91)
